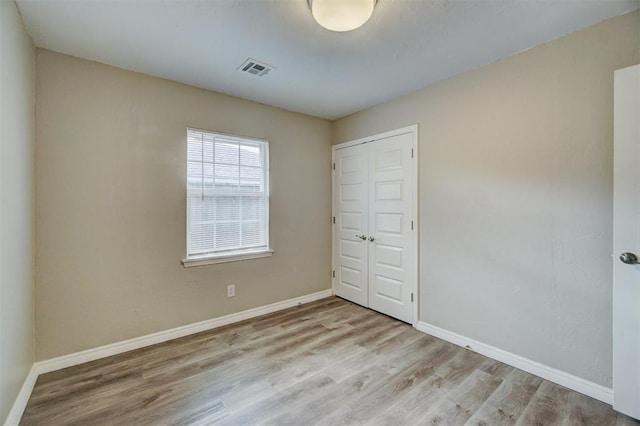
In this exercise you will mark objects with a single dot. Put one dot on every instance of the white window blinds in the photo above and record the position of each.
(227, 194)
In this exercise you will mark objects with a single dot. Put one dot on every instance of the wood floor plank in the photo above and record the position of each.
(510, 399)
(327, 362)
(458, 368)
(352, 359)
(350, 335)
(411, 409)
(624, 420)
(549, 405)
(424, 348)
(372, 404)
(588, 411)
(459, 405)
(396, 343)
(289, 374)
(271, 406)
(348, 391)
(495, 368)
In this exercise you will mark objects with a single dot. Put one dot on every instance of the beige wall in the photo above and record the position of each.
(110, 164)
(17, 133)
(516, 196)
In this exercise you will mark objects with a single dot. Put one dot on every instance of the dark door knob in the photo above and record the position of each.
(629, 258)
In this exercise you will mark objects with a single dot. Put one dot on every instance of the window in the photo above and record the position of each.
(227, 198)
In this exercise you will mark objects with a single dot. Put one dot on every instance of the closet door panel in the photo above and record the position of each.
(351, 191)
(390, 214)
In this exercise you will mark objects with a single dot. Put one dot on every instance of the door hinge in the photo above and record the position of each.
(411, 297)
(333, 274)
(334, 166)
(411, 152)
(412, 225)
(334, 220)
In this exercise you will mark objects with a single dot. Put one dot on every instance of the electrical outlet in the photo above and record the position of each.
(231, 290)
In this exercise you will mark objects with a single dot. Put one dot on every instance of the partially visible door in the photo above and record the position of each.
(390, 226)
(626, 243)
(351, 245)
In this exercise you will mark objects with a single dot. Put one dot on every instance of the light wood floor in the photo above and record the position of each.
(329, 362)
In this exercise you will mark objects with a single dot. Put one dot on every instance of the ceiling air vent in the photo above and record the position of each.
(254, 67)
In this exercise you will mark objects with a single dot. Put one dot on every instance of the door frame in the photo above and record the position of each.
(413, 130)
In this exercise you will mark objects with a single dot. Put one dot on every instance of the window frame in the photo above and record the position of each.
(237, 254)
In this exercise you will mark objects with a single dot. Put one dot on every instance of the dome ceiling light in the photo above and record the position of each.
(342, 15)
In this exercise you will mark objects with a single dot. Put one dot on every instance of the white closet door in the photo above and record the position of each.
(351, 181)
(390, 214)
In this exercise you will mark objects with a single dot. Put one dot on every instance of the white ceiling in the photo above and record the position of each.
(406, 45)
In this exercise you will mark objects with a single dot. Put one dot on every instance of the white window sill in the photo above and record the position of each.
(232, 257)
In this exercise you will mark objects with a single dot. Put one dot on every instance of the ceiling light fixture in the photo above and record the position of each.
(342, 15)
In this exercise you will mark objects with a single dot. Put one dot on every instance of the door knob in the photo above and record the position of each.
(629, 258)
(371, 238)
(362, 237)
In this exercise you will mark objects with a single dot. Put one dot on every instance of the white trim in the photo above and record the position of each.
(333, 220)
(163, 336)
(562, 378)
(416, 220)
(232, 257)
(396, 132)
(17, 409)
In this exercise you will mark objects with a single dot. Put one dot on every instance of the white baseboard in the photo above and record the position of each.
(562, 378)
(21, 400)
(70, 360)
(163, 336)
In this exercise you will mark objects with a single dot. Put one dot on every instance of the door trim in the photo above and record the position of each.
(412, 129)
